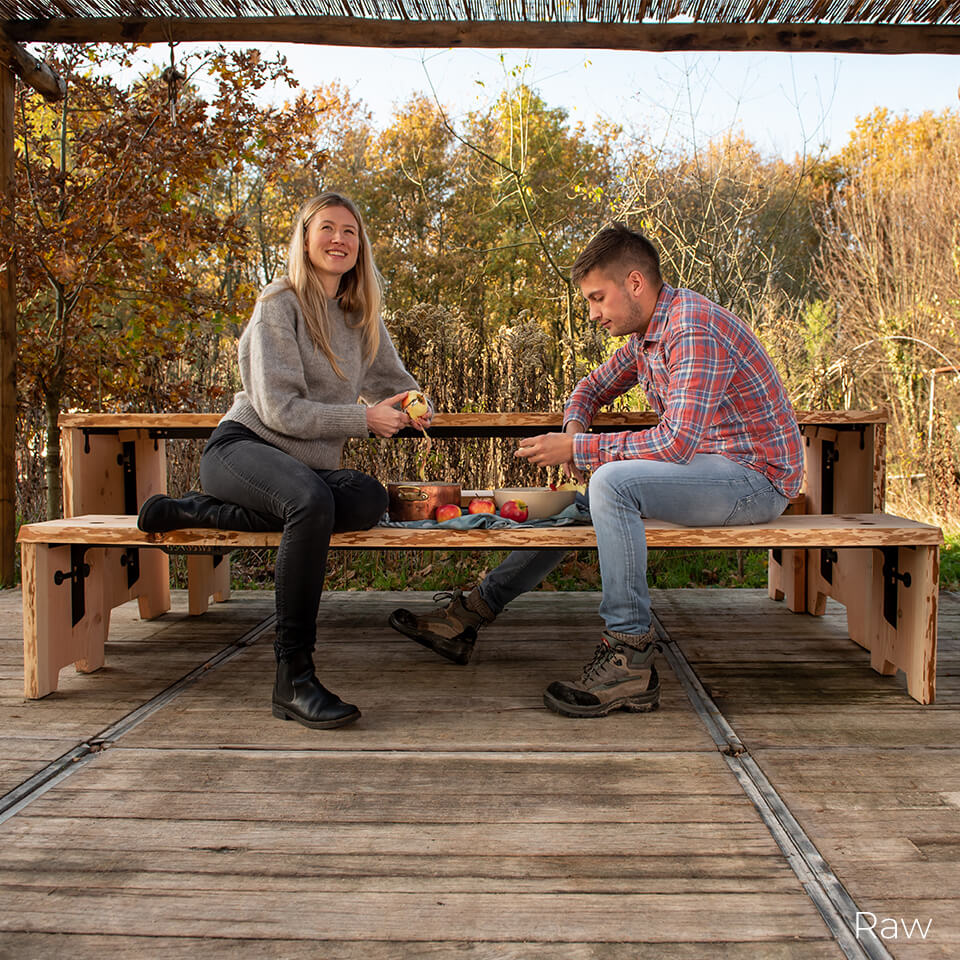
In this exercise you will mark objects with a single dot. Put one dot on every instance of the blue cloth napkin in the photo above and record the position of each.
(577, 512)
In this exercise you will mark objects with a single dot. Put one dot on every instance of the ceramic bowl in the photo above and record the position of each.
(541, 502)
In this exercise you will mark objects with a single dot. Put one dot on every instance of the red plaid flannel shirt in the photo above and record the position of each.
(713, 386)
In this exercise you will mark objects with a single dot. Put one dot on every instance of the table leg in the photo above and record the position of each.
(787, 578)
(207, 576)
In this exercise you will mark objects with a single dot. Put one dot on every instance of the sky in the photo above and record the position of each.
(785, 103)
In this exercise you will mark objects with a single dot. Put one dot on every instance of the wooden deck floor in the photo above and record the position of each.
(461, 819)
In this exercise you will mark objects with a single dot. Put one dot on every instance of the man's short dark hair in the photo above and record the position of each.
(617, 246)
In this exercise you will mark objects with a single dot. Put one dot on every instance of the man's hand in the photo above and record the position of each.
(547, 450)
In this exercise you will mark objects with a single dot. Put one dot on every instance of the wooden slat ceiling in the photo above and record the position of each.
(927, 12)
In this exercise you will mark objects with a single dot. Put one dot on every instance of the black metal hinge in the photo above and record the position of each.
(891, 577)
(79, 571)
(128, 460)
(827, 559)
(131, 560)
(830, 455)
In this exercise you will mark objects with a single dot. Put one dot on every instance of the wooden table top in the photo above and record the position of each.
(489, 424)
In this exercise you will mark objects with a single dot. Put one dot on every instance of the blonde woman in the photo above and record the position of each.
(314, 346)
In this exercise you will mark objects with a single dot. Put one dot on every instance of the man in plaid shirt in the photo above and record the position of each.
(726, 450)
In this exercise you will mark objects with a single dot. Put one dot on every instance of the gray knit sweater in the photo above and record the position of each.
(292, 396)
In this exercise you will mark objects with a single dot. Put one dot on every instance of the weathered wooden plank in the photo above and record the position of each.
(677, 776)
(342, 879)
(858, 771)
(494, 917)
(199, 868)
(833, 530)
(498, 808)
(412, 839)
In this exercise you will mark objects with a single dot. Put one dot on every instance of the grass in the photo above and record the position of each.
(950, 562)
(448, 569)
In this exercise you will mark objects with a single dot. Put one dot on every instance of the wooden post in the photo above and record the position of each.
(8, 338)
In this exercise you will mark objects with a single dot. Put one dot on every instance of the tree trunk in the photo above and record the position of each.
(52, 456)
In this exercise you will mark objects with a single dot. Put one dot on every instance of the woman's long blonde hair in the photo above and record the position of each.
(360, 291)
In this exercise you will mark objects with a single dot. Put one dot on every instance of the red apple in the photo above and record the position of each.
(481, 505)
(515, 510)
(446, 511)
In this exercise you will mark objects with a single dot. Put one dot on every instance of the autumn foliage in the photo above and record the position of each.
(144, 231)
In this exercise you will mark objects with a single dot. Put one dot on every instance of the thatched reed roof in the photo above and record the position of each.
(884, 26)
(551, 11)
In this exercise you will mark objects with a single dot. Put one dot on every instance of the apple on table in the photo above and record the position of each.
(515, 510)
(446, 511)
(481, 505)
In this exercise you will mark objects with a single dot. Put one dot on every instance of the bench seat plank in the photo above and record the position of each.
(819, 530)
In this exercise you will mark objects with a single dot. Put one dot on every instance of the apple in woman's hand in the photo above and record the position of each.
(414, 404)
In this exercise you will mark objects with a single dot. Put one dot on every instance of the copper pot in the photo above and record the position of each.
(415, 500)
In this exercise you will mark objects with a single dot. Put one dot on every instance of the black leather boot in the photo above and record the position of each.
(299, 695)
(160, 514)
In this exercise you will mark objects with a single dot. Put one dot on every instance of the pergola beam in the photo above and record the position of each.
(8, 338)
(33, 72)
(368, 32)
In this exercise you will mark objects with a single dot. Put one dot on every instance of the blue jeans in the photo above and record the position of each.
(280, 492)
(708, 491)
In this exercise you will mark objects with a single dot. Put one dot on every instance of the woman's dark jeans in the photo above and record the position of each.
(280, 492)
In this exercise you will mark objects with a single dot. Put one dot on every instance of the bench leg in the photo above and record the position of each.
(910, 645)
(787, 580)
(152, 588)
(50, 639)
(207, 576)
(817, 588)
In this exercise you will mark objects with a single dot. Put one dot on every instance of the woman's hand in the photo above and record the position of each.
(384, 419)
(421, 423)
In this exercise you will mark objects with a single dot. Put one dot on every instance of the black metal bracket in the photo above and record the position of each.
(79, 571)
(131, 560)
(777, 555)
(891, 577)
(828, 558)
(829, 456)
(128, 460)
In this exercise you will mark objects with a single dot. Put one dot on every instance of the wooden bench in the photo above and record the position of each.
(74, 568)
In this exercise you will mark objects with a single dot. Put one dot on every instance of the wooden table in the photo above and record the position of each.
(112, 462)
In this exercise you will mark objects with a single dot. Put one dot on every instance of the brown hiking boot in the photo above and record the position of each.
(450, 631)
(621, 676)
